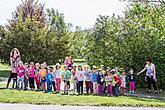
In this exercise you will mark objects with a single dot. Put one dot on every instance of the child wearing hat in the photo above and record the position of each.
(80, 78)
(58, 77)
(66, 74)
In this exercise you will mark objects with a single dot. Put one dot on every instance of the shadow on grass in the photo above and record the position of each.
(148, 99)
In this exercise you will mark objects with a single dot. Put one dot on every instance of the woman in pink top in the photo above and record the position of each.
(31, 74)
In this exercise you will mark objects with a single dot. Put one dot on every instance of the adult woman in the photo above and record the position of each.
(15, 58)
(150, 74)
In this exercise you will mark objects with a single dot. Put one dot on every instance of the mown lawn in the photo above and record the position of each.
(4, 70)
(33, 97)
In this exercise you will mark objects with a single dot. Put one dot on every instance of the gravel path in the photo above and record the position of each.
(4, 106)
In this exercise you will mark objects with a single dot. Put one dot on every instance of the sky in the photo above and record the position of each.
(78, 12)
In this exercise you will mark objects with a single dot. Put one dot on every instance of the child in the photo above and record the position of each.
(108, 80)
(104, 72)
(123, 83)
(80, 78)
(66, 74)
(20, 75)
(37, 77)
(26, 78)
(31, 72)
(131, 81)
(53, 80)
(49, 77)
(74, 79)
(42, 74)
(58, 77)
(100, 81)
(117, 84)
(88, 81)
(94, 80)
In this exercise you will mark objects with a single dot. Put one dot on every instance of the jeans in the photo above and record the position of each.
(80, 87)
(49, 86)
(25, 83)
(109, 89)
(58, 84)
(95, 87)
(54, 85)
(89, 86)
(20, 80)
(150, 81)
(116, 90)
(74, 86)
(31, 83)
(100, 89)
(14, 82)
(14, 77)
(131, 86)
(43, 86)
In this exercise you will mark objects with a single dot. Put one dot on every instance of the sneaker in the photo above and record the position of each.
(156, 92)
(133, 92)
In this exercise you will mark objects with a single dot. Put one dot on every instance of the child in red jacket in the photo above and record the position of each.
(116, 84)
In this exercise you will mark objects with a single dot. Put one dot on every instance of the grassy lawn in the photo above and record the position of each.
(4, 73)
(33, 97)
(4, 70)
(4, 67)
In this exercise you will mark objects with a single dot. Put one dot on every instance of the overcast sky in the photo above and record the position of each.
(78, 12)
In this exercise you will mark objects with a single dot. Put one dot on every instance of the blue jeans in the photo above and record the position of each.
(54, 85)
(49, 86)
(116, 90)
(20, 80)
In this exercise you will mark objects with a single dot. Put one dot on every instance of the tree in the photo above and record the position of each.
(37, 38)
(59, 29)
(127, 41)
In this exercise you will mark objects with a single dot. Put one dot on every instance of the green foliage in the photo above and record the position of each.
(78, 43)
(127, 41)
(37, 38)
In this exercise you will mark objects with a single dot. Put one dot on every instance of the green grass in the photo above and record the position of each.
(4, 67)
(32, 97)
(4, 70)
(4, 73)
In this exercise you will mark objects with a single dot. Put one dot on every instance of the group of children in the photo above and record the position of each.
(95, 81)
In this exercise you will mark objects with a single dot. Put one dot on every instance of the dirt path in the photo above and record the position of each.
(57, 107)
